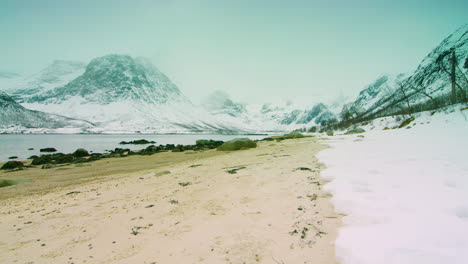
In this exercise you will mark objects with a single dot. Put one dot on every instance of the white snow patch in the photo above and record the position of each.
(404, 192)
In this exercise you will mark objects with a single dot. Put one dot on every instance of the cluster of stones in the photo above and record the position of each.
(82, 155)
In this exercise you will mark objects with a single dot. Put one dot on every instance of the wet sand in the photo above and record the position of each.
(174, 208)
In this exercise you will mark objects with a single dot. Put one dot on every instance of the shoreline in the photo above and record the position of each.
(175, 208)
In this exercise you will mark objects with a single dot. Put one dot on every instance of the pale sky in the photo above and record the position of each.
(256, 50)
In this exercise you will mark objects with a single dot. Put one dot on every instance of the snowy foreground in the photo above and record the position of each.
(404, 191)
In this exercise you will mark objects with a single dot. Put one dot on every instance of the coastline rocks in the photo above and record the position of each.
(13, 157)
(178, 148)
(237, 144)
(57, 158)
(82, 155)
(94, 157)
(170, 146)
(209, 144)
(43, 159)
(152, 149)
(64, 158)
(13, 164)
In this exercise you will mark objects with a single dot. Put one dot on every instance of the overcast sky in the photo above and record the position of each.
(256, 50)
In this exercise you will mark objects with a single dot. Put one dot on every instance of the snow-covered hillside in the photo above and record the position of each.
(375, 93)
(14, 118)
(403, 192)
(429, 86)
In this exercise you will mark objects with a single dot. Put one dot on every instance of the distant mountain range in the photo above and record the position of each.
(122, 94)
(270, 116)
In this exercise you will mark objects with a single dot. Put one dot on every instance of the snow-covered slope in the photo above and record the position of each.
(403, 192)
(16, 118)
(429, 86)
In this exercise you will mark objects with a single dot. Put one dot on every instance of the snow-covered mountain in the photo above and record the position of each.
(428, 87)
(16, 118)
(270, 117)
(108, 79)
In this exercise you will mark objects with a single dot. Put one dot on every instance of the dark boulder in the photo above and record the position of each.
(137, 142)
(80, 153)
(237, 144)
(48, 150)
(13, 164)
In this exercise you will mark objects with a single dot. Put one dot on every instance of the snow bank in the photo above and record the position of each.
(404, 192)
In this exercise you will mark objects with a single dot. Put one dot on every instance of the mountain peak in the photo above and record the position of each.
(108, 79)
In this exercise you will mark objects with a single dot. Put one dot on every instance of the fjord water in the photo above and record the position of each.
(18, 144)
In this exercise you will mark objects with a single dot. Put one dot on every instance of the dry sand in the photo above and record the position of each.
(135, 209)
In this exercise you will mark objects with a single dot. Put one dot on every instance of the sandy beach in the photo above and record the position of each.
(262, 205)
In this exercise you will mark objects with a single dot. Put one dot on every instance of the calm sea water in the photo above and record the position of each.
(18, 145)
